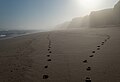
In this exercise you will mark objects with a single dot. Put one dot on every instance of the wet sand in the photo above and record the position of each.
(74, 55)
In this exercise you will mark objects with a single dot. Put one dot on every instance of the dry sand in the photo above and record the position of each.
(62, 56)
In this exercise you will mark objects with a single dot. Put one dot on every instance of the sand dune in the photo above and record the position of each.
(74, 55)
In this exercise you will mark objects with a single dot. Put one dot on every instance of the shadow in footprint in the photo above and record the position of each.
(102, 44)
(48, 55)
(91, 56)
(45, 76)
(93, 51)
(11, 71)
(85, 61)
(88, 69)
(98, 48)
(50, 52)
(49, 60)
(108, 38)
(46, 66)
(105, 40)
(88, 79)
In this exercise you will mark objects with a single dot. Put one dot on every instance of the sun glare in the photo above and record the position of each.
(90, 4)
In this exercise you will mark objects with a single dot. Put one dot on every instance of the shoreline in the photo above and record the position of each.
(14, 36)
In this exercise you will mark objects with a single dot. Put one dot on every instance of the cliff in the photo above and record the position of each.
(102, 18)
(106, 17)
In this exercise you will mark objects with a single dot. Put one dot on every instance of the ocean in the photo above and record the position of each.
(14, 33)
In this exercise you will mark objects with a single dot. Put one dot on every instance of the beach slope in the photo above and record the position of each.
(74, 55)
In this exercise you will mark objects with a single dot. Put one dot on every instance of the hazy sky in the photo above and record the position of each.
(41, 14)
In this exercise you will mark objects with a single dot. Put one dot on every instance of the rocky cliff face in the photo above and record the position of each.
(117, 8)
(106, 17)
(76, 23)
(100, 18)
(116, 11)
(79, 22)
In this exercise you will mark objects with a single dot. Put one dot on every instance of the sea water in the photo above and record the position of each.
(14, 33)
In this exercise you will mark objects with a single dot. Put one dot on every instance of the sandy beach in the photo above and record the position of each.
(73, 55)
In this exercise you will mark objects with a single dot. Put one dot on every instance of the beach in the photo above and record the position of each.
(72, 55)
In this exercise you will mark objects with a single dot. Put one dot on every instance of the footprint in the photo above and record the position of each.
(91, 55)
(108, 37)
(105, 40)
(88, 69)
(45, 76)
(102, 44)
(85, 61)
(49, 60)
(11, 71)
(46, 66)
(50, 52)
(93, 51)
(88, 79)
(98, 48)
(48, 49)
(48, 55)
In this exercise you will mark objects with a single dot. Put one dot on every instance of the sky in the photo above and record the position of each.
(45, 14)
